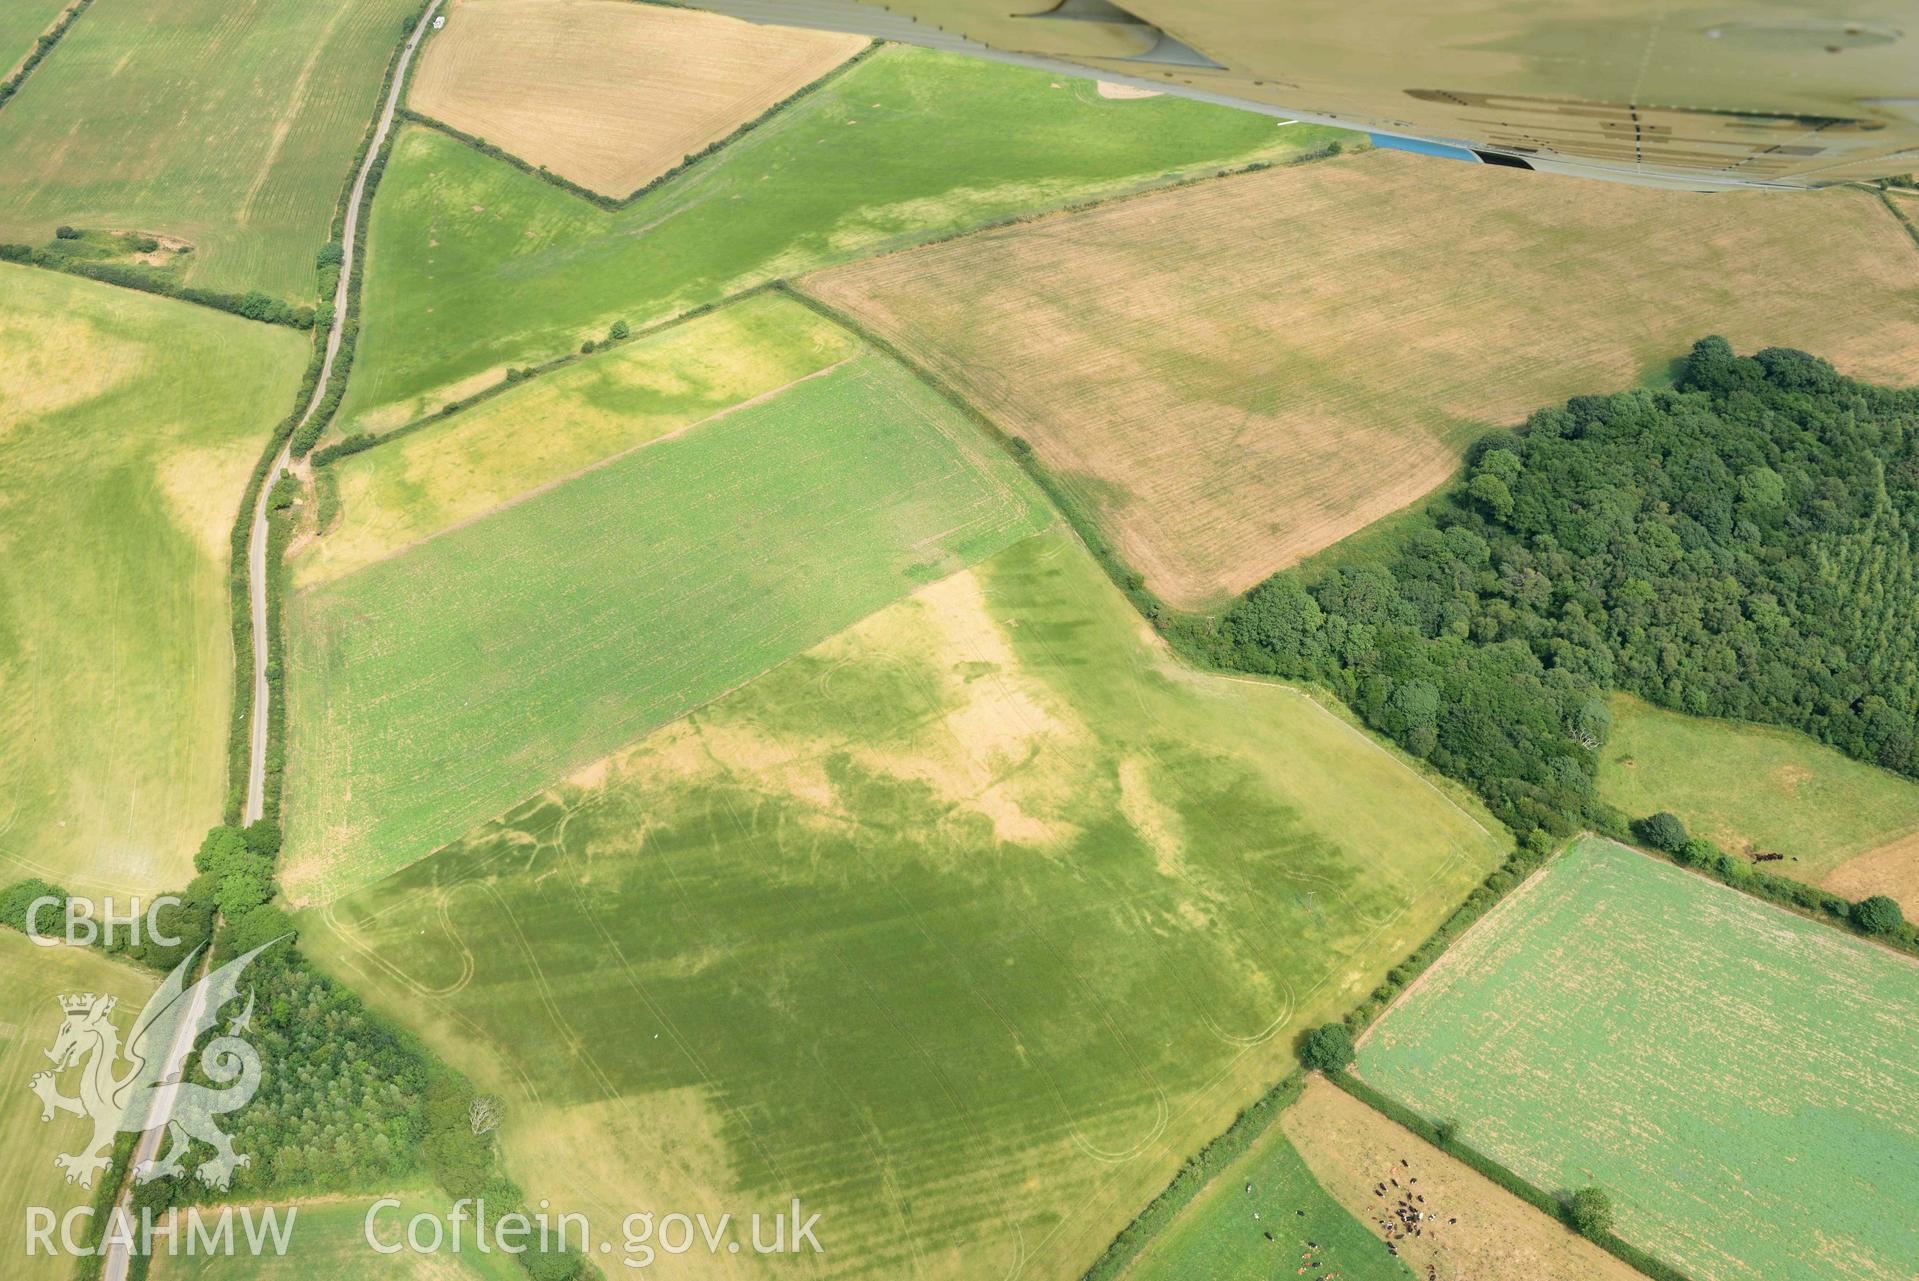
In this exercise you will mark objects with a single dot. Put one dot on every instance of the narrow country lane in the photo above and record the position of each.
(118, 1255)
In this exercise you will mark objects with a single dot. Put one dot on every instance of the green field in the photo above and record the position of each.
(21, 23)
(1750, 788)
(128, 425)
(329, 1244)
(1218, 1238)
(967, 926)
(231, 126)
(1744, 1082)
(436, 689)
(455, 469)
(32, 979)
(475, 265)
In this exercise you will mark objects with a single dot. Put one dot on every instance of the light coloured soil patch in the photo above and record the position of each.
(607, 93)
(1478, 1231)
(1235, 374)
(1892, 870)
(552, 427)
(1124, 92)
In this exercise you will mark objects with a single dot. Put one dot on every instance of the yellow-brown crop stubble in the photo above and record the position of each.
(1236, 374)
(607, 93)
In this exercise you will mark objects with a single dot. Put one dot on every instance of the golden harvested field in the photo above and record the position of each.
(1480, 1232)
(609, 93)
(1236, 374)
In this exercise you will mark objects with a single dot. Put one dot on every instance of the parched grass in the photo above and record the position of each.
(32, 981)
(1744, 1082)
(433, 690)
(459, 468)
(329, 1242)
(1478, 1230)
(607, 93)
(1234, 375)
(967, 926)
(230, 126)
(128, 425)
(474, 265)
(1754, 789)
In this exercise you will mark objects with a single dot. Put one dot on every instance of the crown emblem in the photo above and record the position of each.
(79, 1003)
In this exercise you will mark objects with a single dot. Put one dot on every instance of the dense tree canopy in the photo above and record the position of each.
(1741, 546)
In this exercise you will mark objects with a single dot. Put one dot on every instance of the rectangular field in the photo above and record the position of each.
(967, 926)
(457, 469)
(436, 689)
(474, 265)
(230, 126)
(128, 426)
(608, 93)
(1234, 375)
(1743, 1081)
(32, 981)
(1841, 824)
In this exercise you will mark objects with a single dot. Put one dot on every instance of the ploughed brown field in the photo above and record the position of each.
(1233, 375)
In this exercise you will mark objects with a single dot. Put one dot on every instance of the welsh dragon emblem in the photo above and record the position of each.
(151, 1090)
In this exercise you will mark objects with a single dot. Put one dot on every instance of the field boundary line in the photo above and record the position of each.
(1892, 206)
(548, 486)
(1868, 941)
(614, 204)
(1069, 509)
(318, 396)
(359, 442)
(1642, 1261)
(43, 44)
(1327, 151)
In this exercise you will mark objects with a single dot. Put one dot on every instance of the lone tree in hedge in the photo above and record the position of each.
(1662, 831)
(1877, 915)
(1592, 1212)
(1328, 1048)
(619, 331)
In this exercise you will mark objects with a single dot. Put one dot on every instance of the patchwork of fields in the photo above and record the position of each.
(435, 689)
(456, 469)
(32, 981)
(1840, 823)
(476, 265)
(1478, 1232)
(128, 425)
(1743, 1081)
(607, 93)
(1237, 374)
(1264, 1216)
(231, 126)
(967, 926)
